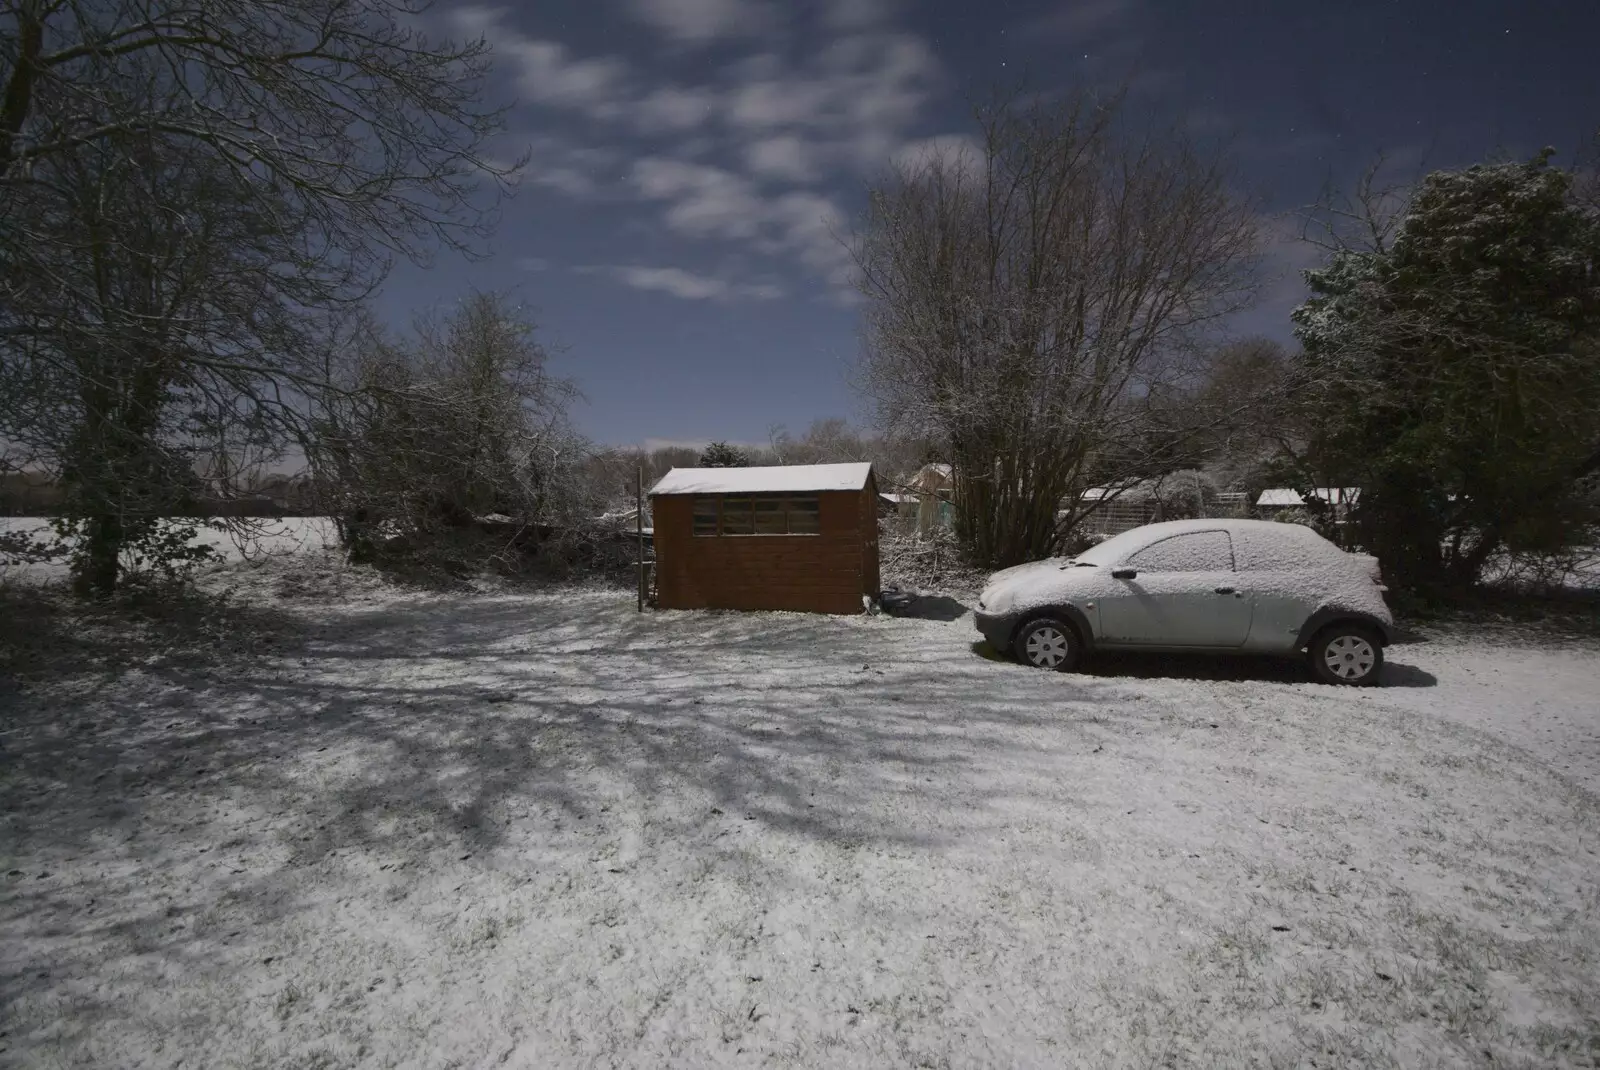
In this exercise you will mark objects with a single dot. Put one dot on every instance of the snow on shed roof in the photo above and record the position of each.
(783, 477)
(1289, 496)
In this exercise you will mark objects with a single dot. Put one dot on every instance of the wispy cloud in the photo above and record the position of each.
(711, 202)
(683, 284)
(854, 100)
(674, 109)
(752, 155)
(785, 157)
(579, 171)
(857, 14)
(1084, 19)
(545, 72)
(702, 21)
(702, 201)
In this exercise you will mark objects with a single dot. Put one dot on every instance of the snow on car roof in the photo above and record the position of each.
(783, 477)
(1181, 527)
(1137, 538)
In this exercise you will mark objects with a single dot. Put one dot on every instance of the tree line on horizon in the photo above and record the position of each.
(191, 230)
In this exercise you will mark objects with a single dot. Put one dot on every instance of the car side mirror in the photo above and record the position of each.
(1124, 573)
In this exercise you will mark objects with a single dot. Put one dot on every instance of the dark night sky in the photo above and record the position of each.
(692, 159)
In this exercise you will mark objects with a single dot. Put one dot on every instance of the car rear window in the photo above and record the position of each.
(1290, 550)
(1200, 551)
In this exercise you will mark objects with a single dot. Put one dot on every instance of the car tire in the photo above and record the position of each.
(1347, 654)
(1047, 643)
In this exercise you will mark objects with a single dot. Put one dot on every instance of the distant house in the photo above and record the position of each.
(1113, 510)
(1276, 499)
(934, 489)
(902, 506)
(624, 520)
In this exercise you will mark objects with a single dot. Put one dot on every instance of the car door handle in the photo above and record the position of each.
(1225, 590)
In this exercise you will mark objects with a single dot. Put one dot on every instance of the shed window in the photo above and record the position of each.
(771, 518)
(771, 515)
(737, 518)
(705, 516)
(804, 516)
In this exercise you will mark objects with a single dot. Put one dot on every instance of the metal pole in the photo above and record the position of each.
(639, 516)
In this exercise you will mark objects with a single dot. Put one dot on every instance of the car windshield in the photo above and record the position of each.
(1113, 549)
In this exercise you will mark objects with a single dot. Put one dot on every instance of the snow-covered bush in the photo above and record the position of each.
(1451, 368)
(926, 561)
(453, 451)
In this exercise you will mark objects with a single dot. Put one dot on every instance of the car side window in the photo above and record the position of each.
(1200, 551)
(1278, 553)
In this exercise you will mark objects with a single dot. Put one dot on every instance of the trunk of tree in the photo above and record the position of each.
(98, 568)
(18, 98)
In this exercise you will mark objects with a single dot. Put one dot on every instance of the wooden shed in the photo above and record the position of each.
(797, 537)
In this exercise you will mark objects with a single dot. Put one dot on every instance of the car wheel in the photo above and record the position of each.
(1048, 644)
(1347, 654)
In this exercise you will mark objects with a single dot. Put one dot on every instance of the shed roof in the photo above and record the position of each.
(777, 478)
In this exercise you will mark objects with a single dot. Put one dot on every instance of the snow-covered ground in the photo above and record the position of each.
(257, 538)
(547, 831)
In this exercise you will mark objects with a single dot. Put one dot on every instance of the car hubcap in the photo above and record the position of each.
(1349, 657)
(1047, 648)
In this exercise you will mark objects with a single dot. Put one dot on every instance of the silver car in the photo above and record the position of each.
(1225, 586)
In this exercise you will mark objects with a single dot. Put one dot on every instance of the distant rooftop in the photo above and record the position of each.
(1285, 496)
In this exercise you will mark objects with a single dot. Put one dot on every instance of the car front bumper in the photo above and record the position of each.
(996, 628)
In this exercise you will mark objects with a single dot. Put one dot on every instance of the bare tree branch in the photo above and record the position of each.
(1031, 302)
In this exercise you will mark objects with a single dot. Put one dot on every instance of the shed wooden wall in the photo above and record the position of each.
(823, 573)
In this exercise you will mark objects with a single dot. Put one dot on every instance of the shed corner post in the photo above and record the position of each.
(639, 518)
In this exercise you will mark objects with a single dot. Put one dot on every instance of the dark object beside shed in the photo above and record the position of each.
(796, 537)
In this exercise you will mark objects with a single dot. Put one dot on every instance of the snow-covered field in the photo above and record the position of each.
(263, 537)
(546, 831)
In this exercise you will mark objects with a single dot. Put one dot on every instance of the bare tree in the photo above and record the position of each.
(459, 429)
(826, 441)
(1246, 411)
(1031, 303)
(160, 346)
(193, 194)
(343, 108)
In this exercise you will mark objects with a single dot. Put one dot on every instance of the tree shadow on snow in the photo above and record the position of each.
(47, 633)
(443, 727)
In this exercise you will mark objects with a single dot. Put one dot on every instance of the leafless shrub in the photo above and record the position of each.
(452, 449)
(929, 561)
